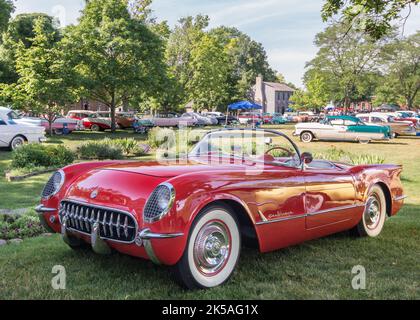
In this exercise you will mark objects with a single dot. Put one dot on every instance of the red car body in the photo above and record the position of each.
(279, 207)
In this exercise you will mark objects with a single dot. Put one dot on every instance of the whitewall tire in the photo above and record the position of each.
(212, 250)
(17, 142)
(95, 127)
(374, 215)
(306, 137)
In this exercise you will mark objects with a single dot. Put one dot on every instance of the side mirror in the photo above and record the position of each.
(306, 157)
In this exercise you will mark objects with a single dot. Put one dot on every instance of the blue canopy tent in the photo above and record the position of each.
(242, 105)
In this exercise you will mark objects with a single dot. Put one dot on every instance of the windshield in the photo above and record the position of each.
(254, 145)
(12, 115)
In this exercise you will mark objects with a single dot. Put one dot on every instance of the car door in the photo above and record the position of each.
(279, 205)
(4, 134)
(329, 196)
(334, 130)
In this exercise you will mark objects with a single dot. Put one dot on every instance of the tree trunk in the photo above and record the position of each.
(346, 104)
(409, 102)
(113, 124)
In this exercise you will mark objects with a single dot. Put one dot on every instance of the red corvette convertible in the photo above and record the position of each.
(237, 186)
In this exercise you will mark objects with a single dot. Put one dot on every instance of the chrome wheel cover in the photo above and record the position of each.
(306, 137)
(17, 142)
(372, 212)
(212, 248)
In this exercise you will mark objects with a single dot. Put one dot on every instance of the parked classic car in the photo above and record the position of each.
(59, 126)
(341, 128)
(97, 121)
(398, 128)
(79, 114)
(250, 118)
(201, 120)
(13, 134)
(402, 116)
(221, 118)
(125, 120)
(278, 119)
(172, 120)
(236, 186)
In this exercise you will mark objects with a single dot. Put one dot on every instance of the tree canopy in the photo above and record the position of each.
(375, 17)
(117, 57)
(6, 9)
(43, 84)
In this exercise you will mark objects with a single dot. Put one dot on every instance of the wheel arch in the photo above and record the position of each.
(20, 135)
(247, 227)
(388, 198)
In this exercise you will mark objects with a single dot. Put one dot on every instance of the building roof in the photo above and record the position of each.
(279, 86)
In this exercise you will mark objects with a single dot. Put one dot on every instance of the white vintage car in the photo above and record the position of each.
(341, 128)
(13, 134)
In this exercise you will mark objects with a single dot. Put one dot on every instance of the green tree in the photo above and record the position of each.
(344, 61)
(301, 100)
(372, 16)
(118, 57)
(21, 30)
(401, 62)
(42, 86)
(6, 9)
(247, 60)
(315, 97)
(186, 34)
(210, 69)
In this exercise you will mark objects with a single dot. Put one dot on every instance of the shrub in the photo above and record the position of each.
(334, 154)
(38, 155)
(101, 150)
(128, 145)
(23, 226)
(159, 136)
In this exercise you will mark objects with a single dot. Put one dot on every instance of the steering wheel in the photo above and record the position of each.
(289, 153)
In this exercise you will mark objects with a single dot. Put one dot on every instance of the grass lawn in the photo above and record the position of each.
(316, 269)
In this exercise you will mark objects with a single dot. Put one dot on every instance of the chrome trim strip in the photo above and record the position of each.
(43, 209)
(283, 219)
(336, 209)
(399, 198)
(311, 214)
(144, 237)
(146, 234)
(150, 252)
(102, 208)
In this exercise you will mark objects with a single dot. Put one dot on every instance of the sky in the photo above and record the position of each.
(286, 28)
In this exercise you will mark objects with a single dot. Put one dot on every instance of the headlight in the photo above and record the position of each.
(159, 203)
(53, 185)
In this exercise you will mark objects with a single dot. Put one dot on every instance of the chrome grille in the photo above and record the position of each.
(50, 187)
(113, 224)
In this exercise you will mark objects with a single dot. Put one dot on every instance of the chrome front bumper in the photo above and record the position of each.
(99, 245)
(42, 210)
(144, 238)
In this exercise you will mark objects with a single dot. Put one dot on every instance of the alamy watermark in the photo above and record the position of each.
(358, 281)
(58, 282)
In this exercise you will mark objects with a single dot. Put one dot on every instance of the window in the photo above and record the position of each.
(351, 123)
(2, 123)
(377, 120)
(364, 119)
(337, 122)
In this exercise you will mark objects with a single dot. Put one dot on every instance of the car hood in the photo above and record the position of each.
(173, 168)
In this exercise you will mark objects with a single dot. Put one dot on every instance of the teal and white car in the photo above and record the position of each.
(341, 128)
